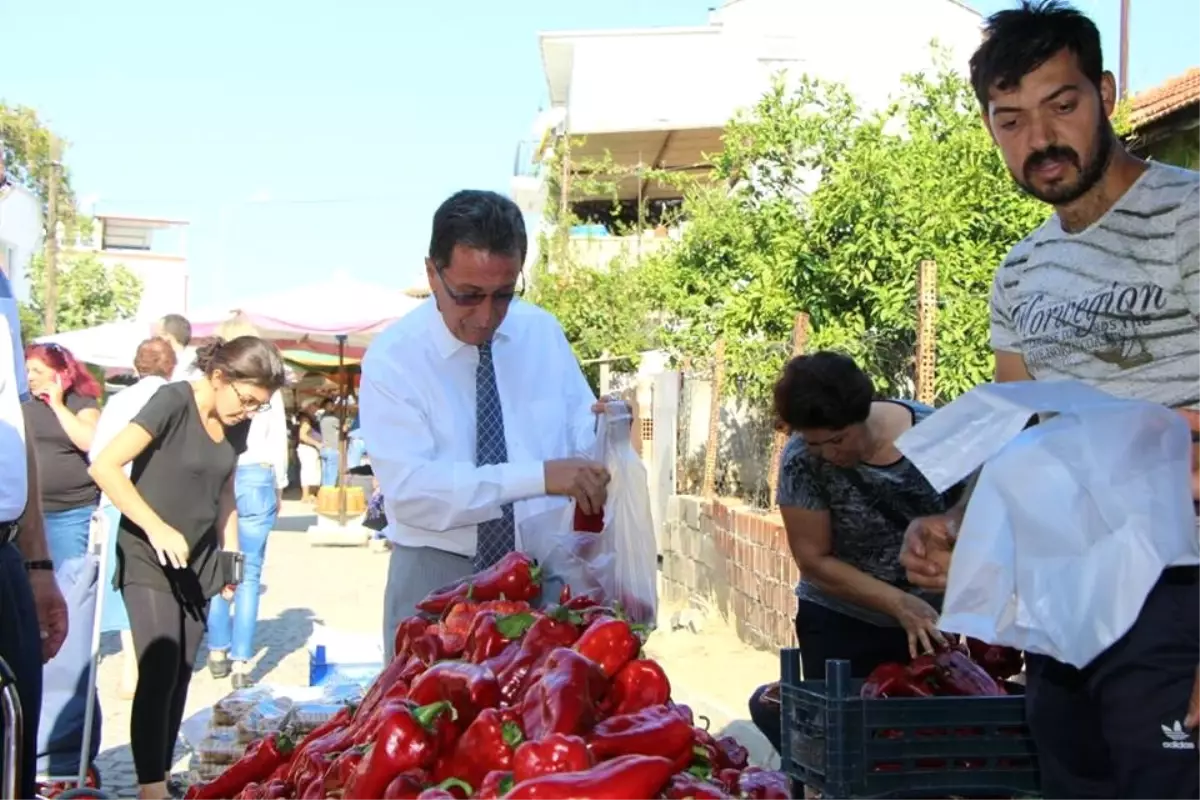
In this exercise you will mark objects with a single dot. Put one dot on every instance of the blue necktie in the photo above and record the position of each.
(497, 537)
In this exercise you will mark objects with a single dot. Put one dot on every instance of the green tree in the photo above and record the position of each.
(89, 294)
(25, 142)
(831, 211)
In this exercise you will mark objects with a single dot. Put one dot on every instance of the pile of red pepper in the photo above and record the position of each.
(488, 697)
(972, 669)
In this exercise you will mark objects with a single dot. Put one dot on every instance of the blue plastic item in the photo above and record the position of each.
(321, 671)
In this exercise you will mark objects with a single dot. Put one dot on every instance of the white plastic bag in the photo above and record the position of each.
(620, 564)
(1071, 522)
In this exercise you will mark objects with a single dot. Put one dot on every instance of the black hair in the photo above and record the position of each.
(823, 390)
(1019, 40)
(246, 358)
(178, 327)
(479, 220)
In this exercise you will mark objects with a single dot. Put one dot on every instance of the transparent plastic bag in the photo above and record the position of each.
(233, 706)
(619, 564)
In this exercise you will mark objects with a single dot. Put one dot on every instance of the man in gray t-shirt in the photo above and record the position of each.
(331, 438)
(1105, 292)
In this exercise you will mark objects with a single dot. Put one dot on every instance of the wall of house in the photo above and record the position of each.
(723, 555)
(20, 235)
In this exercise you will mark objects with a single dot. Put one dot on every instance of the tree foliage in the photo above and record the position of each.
(25, 141)
(89, 294)
(831, 212)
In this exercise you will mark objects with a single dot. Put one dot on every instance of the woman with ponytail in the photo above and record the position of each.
(178, 513)
(63, 415)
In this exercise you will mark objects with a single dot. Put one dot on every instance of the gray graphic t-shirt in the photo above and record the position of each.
(869, 508)
(1116, 305)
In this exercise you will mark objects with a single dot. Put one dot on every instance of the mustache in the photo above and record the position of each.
(1052, 153)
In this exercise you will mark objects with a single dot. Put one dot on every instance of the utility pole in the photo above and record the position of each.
(1123, 84)
(50, 279)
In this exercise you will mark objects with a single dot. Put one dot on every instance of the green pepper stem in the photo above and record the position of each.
(511, 733)
(425, 715)
(535, 573)
(456, 783)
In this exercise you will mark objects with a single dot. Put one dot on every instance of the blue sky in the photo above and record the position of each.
(383, 107)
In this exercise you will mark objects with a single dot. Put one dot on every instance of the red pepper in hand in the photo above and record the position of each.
(405, 741)
(558, 752)
(564, 699)
(684, 786)
(639, 684)
(733, 754)
(998, 661)
(406, 785)
(486, 745)
(756, 784)
(495, 785)
(960, 676)
(514, 577)
(470, 688)
(544, 635)
(656, 731)
(894, 680)
(619, 779)
(261, 759)
(610, 643)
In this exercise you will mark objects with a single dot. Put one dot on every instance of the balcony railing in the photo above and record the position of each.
(524, 165)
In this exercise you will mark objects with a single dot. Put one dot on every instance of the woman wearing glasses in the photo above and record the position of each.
(178, 511)
(63, 415)
(258, 488)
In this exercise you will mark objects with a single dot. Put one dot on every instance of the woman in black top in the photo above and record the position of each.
(177, 513)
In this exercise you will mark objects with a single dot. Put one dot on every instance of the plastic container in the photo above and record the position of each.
(322, 670)
(844, 746)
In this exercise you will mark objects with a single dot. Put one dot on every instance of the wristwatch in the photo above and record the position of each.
(41, 563)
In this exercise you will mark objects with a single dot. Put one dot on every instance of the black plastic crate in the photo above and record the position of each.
(844, 746)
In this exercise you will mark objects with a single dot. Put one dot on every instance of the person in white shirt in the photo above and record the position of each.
(154, 364)
(473, 408)
(176, 331)
(262, 475)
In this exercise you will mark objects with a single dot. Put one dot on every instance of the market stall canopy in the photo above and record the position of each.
(320, 314)
(111, 345)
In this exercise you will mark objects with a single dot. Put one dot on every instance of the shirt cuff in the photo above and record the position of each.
(524, 480)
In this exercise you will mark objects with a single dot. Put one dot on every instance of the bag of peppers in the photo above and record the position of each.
(488, 697)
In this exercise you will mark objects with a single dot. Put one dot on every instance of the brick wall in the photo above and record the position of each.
(737, 560)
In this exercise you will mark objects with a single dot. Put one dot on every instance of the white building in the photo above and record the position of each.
(20, 233)
(662, 96)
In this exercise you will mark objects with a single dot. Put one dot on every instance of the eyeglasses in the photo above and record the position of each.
(471, 299)
(249, 404)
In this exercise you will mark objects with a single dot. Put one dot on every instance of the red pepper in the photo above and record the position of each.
(486, 745)
(588, 523)
(251, 791)
(314, 769)
(544, 635)
(313, 790)
(261, 759)
(656, 731)
(449, 789)
(558, 752)
(893, 680)
(470, 688)
(343, 766)
(337, 737)
(685, 712)
(684, 785)
(514, 577)
(405, 741)
(495, 785)
(960, 676)
(619, 779)
(733, 754)
(640, 684)
(564, 699)
(406, 785)
(610, 643)
(728, 779)
(276, 790)
(756, 784)
(408, 630)
(998, 661)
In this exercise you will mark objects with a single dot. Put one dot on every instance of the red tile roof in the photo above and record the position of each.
(1166, 98)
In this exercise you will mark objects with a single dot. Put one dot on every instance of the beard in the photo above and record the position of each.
(1087, 175)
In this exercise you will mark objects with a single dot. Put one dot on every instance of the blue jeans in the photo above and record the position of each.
(356, 448)
(67, 532)
(329, 466)
(257, 508)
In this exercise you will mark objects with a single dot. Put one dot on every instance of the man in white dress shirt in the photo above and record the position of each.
(473, 408)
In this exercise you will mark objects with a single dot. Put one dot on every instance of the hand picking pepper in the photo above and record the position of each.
(760, 784)
(610, 643)
(621, 778)
(894, 680)
(404, 742)
(495, 785)
(960, 676)
(558, 752)
(470, 688)
(486, 745)
(514, 577)
(544, 635)
(683, 786)
(640, 684)
(656, 731)
(564, 699)
(261, 759)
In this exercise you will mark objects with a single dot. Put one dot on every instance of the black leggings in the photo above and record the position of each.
(166, 637)
(825, 634)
